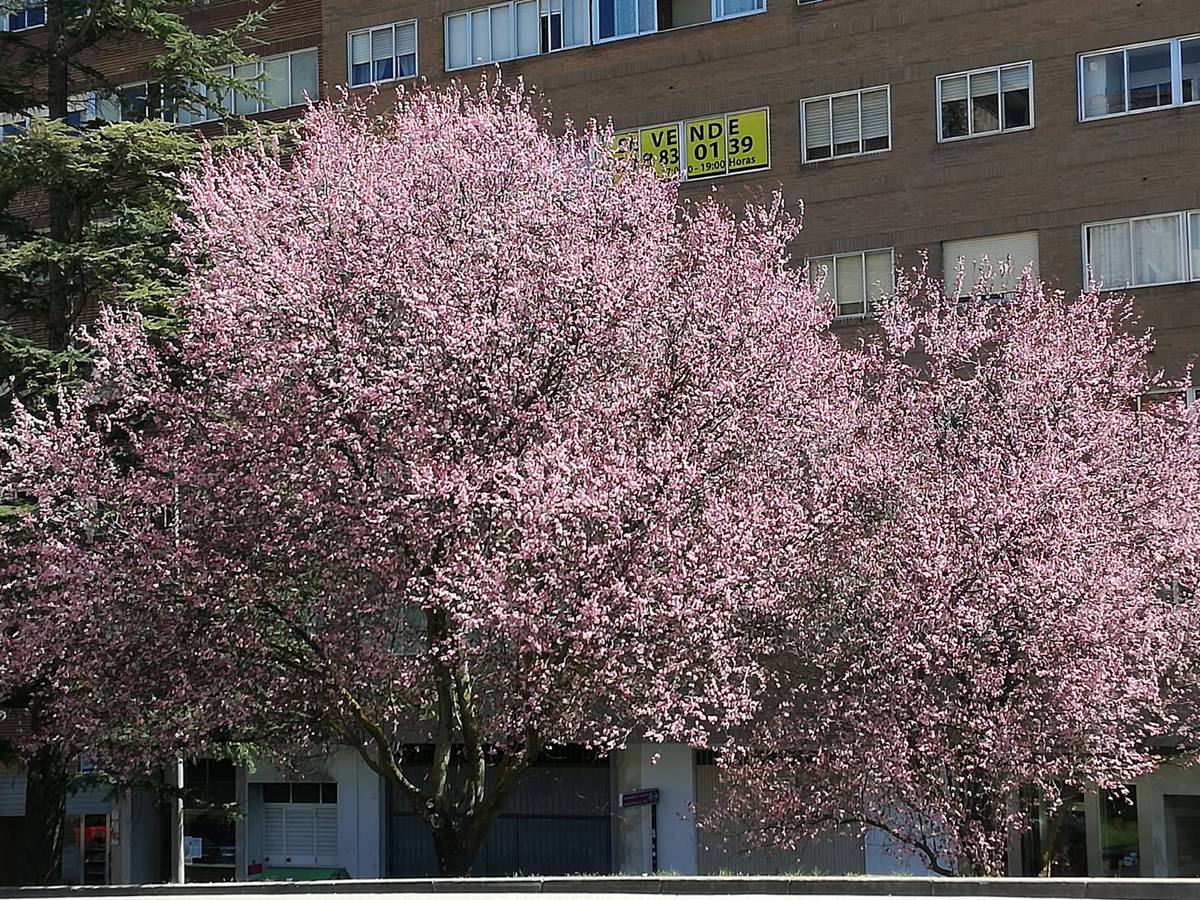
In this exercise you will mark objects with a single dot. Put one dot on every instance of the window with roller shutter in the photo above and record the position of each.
(854, 282)
(991, 266)
(849, 124)
(985, 101)
(387, 53)
(300, 825)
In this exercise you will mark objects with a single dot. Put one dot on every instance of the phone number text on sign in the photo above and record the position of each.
(703, 148)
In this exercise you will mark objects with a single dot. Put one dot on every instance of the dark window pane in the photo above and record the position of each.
(987, 113)
(820, 152)
(607, 19)
(878, 143)
(1150, 77)
(360, 73)
(1189, 52)
(384, 69)
(1016, 109)
(329, 792)
(848, 147)
(277, 793)
(35, 15)
(954, 118)
(306, 793)
(408, 65)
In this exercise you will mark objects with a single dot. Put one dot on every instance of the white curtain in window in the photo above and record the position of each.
(577, 23)
(1108, 255)
(458, 46)
(481, 37)
(502, 33)
(304, 77)
(1194, 230)
(647, 15)
(276, 85)
(881, 276)
(528, 39)
(244, 104)
(1157, 250)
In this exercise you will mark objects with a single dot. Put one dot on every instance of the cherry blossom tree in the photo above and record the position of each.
(453, 451)
(987, 592)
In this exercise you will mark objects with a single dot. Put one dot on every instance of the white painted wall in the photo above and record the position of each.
(1157, 860)
(671, 769)
(360, 811)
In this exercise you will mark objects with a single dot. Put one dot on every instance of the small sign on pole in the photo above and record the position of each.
(642, 797)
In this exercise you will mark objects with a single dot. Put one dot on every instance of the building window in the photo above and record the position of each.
(81, 108)
(383, 54)
(849, 124)
(493, 34)
(521, 28)
(991, 267)
(129, 103)
(32, 15)
(284, 80)
(854, 282)
(1139, 78)
(985, 101)
(1143, 252)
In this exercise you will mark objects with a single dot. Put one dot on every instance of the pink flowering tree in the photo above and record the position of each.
(984, 596)
(453, 451)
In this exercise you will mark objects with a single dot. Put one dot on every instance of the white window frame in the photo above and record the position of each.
(831, 272)
(259, 103)
(1188, 393)
(716, 14)
(1190, 272)
(116, 99)
(1176, 44)
(395, 57)
(470, 16)
(971, 132)
(829, 98)
(5, 14)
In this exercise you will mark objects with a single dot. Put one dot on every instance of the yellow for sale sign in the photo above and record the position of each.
(702, 148)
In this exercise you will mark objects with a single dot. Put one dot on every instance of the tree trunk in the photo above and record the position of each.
(456, 849)
(60, 207)
(39, 850)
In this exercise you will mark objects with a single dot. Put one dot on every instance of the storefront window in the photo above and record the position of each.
(210, 821)
(85, 855)
(1182, 814)
(1119, 852)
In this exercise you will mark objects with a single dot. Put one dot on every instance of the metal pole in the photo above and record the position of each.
(177, 860)
(654, 838)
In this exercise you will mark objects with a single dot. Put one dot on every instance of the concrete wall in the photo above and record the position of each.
(671, 769)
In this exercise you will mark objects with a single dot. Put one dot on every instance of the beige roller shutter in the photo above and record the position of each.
(998, 260)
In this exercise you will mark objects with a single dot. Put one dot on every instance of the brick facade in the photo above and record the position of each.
(1052, 178)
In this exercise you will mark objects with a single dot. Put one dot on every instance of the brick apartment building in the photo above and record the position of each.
(1060, 135)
